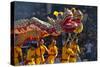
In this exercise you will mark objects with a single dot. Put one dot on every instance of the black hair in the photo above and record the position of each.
(34, 45)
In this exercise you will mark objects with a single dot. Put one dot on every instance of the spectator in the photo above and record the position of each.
(88, 53)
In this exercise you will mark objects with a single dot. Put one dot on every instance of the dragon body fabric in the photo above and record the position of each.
(68, 21)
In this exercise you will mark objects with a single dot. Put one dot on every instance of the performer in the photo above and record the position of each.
(66, 52)
(17, 54)
(30, 55)
(53, 52)
(74, 46)
(40, 51)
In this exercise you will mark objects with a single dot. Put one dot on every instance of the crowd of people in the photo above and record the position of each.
(36, 53)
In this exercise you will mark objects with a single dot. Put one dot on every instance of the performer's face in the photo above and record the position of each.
(42, 42)
(54, 42)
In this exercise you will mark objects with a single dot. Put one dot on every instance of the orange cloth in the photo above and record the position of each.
(40, 54)
(53, 51)
(74, 46)
(66, 52)
(17, 55)
(30, 56)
